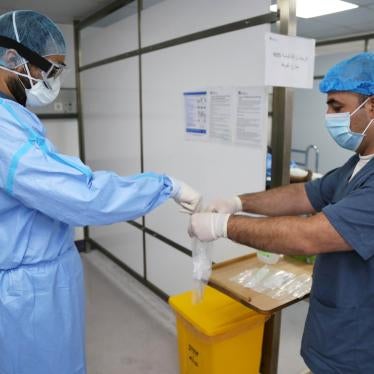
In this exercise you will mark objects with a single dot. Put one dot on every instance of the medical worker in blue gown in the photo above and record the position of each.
(43, 195)
(339, 330)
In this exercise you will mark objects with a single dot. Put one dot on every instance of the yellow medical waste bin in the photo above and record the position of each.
(217, 336)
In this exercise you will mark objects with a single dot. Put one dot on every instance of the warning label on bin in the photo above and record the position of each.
(193, 355)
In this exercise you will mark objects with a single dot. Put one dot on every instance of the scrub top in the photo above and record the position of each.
(339, 330)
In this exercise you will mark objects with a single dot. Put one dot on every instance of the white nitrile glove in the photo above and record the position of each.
(185, 196)
(231, 206)
(208, 226)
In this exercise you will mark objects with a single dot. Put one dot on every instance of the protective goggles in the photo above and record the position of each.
(55, 70)
(50, 70)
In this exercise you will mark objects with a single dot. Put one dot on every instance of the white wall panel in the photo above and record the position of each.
(63, 133)
(169, 19)
(371, 45)
(123, 241)
(214, 169)
(112, 35)
(69, 78)
(111, 114)
(111, 117)
(324, 62)
(167, 268)
(111, 120)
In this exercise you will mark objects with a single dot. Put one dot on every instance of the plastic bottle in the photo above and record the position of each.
(268, 257)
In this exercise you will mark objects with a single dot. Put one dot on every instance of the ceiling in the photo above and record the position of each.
(61, 11)
(351, 22)
(343, 24)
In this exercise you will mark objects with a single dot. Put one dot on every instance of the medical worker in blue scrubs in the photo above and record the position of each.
(339, 330)
(43, 196)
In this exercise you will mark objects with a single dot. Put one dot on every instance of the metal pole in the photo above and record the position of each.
(281, 137)
(140, 8)
(82, 153)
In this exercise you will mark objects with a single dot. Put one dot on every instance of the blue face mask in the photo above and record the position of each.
(339, 127)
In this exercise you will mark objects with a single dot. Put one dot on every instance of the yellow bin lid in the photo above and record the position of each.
(216, 314)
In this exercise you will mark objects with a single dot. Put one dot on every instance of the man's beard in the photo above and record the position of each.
(17, 89)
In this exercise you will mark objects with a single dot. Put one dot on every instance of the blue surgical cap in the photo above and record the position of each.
(354, 75)
(35, 31)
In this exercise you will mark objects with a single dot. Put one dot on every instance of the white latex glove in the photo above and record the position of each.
(231, 206)
(185, 196)
(208, 226)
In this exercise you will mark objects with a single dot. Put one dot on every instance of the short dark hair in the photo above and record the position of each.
(362, 98)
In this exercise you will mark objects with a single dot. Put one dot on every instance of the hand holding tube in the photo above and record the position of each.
(208, 226)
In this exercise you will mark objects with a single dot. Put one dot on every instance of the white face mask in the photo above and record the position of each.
(339, 127)
(39, 94)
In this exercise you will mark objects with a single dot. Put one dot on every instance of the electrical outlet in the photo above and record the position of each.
(58, 106)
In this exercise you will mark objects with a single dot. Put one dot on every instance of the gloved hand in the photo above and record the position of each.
(185, 196)
(208, 226)
(232, 205)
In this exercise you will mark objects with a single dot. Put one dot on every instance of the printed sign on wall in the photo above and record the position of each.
(230, 115)
(289, 61)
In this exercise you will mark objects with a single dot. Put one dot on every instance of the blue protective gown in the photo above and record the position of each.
(43, 195)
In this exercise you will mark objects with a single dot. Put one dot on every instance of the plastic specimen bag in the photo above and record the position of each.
(201, 268)
(273, 282)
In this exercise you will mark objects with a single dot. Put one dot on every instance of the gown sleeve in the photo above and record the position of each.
(63, 188)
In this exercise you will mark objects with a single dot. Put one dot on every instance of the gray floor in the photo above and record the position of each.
(123, 337)
(293, 319)
(131, 331)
